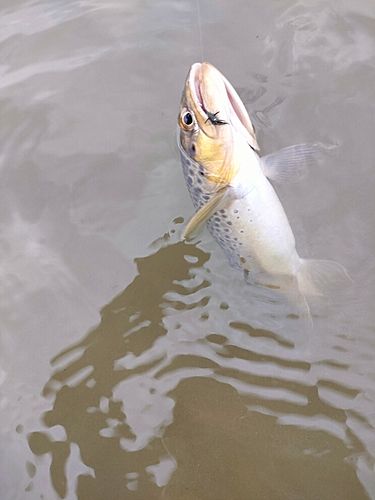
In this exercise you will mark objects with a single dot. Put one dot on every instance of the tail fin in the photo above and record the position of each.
(319, 277)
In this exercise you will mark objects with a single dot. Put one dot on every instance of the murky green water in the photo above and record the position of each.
(136, 366)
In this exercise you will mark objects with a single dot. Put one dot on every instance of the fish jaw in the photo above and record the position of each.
(207, 144)
(206, 88)
(220, 124)
(210, 91)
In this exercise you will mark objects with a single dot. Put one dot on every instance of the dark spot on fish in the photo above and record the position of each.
(229, 223)
(193, 148)
(222, 211)
(201, 173)
(178, 220)
(241, 230)
(236, 211)
(189, 180)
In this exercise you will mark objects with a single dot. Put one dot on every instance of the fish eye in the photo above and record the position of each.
(187, 118)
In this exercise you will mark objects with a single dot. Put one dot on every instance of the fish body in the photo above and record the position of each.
(252, 229)
(230, 188)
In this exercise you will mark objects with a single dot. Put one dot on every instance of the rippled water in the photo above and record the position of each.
(136, 366)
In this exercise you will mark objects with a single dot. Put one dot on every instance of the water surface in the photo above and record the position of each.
(136, 366)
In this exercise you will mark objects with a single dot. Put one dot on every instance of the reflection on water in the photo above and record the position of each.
(160, 409)
(107, 394)
(288, 462)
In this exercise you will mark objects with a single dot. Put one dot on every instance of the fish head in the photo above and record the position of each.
(212, 121)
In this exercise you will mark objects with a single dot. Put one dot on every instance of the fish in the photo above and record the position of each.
(232, 187)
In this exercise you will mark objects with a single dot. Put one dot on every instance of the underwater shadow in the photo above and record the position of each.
(86, 375)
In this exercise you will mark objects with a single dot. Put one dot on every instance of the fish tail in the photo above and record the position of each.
(319, 277)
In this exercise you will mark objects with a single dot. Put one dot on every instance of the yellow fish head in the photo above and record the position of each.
(212, 120)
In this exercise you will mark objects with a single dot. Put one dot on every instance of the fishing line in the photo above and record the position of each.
(199, 18)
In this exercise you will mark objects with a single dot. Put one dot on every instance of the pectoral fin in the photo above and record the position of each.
(291, 163)
(202, 215)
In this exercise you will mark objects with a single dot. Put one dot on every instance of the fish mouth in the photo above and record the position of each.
(211, 92)
(195, 82)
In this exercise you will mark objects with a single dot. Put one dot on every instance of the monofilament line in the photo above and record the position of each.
(199, 27)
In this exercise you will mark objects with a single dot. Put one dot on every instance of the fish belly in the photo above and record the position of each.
(254, 232)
